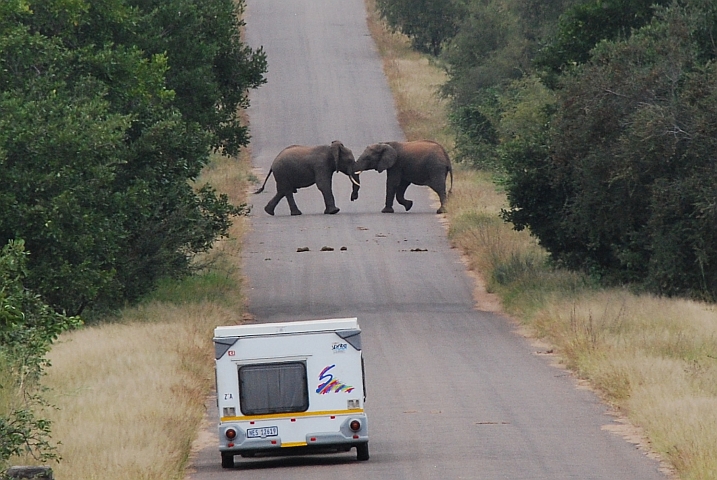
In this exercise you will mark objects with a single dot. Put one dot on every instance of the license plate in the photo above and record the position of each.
(262, 432)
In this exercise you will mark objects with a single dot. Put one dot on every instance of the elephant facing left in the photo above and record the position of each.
(299, 166)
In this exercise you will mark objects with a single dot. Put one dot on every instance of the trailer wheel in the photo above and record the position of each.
(362, 451)
(227, 460)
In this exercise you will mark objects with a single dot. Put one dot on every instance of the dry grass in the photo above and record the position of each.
(8, 395)
(653, 359)
(414, 82)
(131, 393)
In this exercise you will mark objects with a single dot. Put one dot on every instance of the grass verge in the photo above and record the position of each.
(130, 393)
(653, 359)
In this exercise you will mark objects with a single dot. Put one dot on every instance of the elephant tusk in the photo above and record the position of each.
(354, 181)
(358, 173)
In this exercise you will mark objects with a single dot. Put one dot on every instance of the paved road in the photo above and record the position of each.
(453, 392)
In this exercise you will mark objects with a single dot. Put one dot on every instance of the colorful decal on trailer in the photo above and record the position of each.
(330, 384)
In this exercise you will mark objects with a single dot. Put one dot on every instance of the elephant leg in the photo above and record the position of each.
(390, 194)
(400, 198)
(292, 204)
(269, 208)
(440, 188)
(329, 201)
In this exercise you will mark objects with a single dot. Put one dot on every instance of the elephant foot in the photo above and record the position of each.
(387, 210)
(408, 204)
(441, 210)
(296, 212)
(269, 210)
(331, 210)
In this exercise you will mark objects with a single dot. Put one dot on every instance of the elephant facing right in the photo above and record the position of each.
(422, 162)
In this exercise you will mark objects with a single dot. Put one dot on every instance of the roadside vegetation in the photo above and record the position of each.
(110, 114)
(651, 356)
(141, 379)
(114, 383)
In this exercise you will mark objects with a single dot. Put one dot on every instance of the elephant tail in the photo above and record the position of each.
(449, 167)
(271, 170)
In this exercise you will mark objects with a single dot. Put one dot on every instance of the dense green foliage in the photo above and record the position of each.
(496, 44)
(600, 116)
(585, 25)
(429, 24)
(620, 182)
(27, 329)
(632, 164)
(108, 112)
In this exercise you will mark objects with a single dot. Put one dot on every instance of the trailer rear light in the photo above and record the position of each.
(230, 433)
(355, 425)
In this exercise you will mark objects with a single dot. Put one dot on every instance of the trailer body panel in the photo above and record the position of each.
(290, 387)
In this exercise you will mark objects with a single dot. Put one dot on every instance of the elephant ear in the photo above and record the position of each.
(336, 147)
(387, 157)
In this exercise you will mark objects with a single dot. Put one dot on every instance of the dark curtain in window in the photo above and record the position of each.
(273, 388)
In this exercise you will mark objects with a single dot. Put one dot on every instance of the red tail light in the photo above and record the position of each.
(230, 433)
(355, 425)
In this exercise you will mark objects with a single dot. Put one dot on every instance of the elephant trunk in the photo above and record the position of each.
(356, 185)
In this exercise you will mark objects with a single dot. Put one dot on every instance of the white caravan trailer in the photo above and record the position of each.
(291, 387)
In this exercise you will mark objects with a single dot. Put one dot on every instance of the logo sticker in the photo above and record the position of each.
(330, 384)
(339, 347)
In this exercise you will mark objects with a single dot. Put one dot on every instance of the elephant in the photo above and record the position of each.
(422, 162)
(299, 166)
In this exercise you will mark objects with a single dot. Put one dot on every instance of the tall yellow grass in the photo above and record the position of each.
(415, 83)
(130, 394)
(653, 359)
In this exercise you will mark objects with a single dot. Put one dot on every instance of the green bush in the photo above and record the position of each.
(624, 187)
(427, 23)
(27, 329)
(108, 113)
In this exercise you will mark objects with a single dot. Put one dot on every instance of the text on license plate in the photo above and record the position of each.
(262, 432)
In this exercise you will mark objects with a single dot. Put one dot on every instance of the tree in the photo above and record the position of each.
(494, 47)
(584, 25)
(209, 69)
(27, 329)
(427, 23)
(625, 187)
(99, 155)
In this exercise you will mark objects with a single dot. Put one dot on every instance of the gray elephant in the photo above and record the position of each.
(299, 166)
(422, 162)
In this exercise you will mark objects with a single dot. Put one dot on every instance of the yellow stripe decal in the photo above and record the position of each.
(291, 415)
(294, 444)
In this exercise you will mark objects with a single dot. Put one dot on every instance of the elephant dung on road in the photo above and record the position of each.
(299, 166)
(422, 162)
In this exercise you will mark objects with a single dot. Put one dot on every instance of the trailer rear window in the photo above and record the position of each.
(273, 388)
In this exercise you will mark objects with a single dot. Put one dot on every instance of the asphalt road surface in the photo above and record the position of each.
(452, 391)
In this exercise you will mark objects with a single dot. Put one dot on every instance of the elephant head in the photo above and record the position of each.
(344, 161)
(419, 162)
(379, 157)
